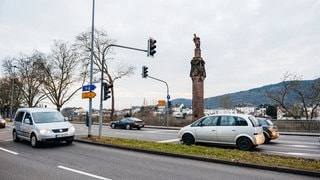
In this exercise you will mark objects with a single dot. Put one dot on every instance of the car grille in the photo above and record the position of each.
(60, 130)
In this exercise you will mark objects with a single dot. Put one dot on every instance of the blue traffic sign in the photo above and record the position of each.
(90, 87)
(168, 97)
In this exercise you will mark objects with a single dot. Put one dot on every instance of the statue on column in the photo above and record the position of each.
(197, 50)
(197, 63)
(197, 74)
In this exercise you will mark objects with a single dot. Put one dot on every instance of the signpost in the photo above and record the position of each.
(89, 94)
(90, 87)
(86, 95)
(161, 103)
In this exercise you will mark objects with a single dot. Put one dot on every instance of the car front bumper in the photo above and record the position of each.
(58, 139)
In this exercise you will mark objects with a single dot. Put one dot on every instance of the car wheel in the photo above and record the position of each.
(113, 126)
(15, 136)
(187, 139)
(128, 126)
(266, 139)
(34, 140)
(138, 128)
(244, 144)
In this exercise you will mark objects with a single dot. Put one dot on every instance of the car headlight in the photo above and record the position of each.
(45, 131)
(72, 129)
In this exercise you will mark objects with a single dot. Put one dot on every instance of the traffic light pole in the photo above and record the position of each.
(102, 78)
(168, 98)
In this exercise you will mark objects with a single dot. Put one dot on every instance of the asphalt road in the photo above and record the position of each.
(84, 161)
(289, 145)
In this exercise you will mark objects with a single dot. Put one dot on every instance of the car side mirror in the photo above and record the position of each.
(27, 121)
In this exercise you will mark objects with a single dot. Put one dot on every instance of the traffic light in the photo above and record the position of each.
(144, 72)
(169, 104)
(106, 91)
(151, 47)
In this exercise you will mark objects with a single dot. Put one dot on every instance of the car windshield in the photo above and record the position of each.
(254, 121)
(269, 122)
(47, 117)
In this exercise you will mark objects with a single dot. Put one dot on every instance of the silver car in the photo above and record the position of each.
(41, 125)
(241, 130)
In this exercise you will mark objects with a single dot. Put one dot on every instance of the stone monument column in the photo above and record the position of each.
(197, 74)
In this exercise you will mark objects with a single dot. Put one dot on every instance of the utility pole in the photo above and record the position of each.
(12, 91)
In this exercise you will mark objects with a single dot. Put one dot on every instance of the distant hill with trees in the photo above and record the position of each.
(253, 97)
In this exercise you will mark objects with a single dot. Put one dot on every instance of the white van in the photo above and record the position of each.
(241, 130)
(41, 125)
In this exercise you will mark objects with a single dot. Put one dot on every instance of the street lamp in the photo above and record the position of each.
(12, 90)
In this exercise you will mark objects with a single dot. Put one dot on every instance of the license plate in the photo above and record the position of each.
(61, 135)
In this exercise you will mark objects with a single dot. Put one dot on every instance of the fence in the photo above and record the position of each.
(310, 126)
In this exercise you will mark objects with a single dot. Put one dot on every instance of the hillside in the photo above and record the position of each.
(254, 96)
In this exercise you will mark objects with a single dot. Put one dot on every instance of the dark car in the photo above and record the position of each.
(2, 122)
(270, 131)
(127, 123)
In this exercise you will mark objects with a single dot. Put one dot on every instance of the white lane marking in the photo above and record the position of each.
(300, 146)
(297, 154)
(8, 140)
(83, 173)
(169, 140)
(6, 150)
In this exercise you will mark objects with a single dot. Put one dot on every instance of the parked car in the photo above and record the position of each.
(128, 123)
(270, 131)
(39, 125)
(241, 130)
(2, 122)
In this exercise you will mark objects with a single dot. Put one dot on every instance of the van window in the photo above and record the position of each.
(241, 122)
(209, 121)
(27, 116)
(19, 116)
(227, 121)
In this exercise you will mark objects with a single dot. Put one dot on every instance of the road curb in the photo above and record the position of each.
(227, 162)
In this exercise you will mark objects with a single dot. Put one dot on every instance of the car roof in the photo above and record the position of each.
(133, 118)
(238, 115)
(32, 110)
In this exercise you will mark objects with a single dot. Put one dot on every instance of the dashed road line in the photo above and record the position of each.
(6, 150)
(83, 173)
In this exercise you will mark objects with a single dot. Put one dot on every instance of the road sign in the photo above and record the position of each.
(168, 97)
(90, 87)
(86, 95)
(161, 103)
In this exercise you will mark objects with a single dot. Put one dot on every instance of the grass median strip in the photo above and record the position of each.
(230, 154)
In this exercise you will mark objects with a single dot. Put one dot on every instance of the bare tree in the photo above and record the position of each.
(304, 96)
(101, 50)
(61, 71)
(27, 77)
(225, 102)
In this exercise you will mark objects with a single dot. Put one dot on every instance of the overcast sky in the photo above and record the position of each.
(245, 43)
